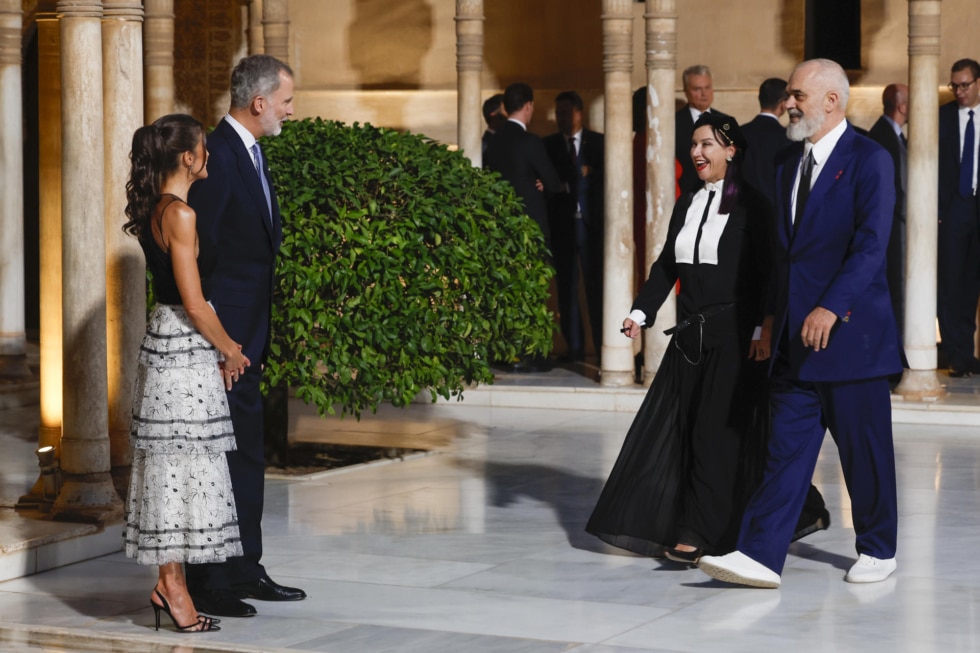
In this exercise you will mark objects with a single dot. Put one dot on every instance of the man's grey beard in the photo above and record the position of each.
(807, 126)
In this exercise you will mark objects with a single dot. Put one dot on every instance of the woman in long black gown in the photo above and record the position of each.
(699, 436)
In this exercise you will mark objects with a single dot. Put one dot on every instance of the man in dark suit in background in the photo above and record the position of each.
(766, 137)
(834, 336)
(576, 221)
(959, 237)
(238, 215)
(495, 117)
(520, 158)
(700, 94)
(887, 132)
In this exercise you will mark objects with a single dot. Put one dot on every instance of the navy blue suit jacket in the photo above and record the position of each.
(834, 257)
(233, 218)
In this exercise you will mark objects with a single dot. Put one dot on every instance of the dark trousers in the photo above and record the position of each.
(858, 415)
(247, 468)
(958, 280)
(716, 434)
(575, 251)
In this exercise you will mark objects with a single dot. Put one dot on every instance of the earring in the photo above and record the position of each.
(728, 158)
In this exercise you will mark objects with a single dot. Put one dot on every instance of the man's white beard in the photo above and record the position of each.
(807, 126)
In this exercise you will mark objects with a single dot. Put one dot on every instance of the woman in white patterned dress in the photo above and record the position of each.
(180, 506)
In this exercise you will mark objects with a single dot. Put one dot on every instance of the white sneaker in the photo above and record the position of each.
(868, 569)
(738, 568)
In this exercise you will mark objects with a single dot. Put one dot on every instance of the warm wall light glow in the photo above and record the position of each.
(49, 170)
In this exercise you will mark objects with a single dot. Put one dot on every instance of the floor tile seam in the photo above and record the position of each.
(56, 636)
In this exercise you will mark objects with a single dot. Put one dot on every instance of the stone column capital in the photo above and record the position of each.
(79, 9)
(123, 10)
(11, 20)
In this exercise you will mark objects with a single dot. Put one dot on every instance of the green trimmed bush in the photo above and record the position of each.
(402, 268)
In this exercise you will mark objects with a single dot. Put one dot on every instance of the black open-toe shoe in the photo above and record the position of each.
(686, 557)
(207, 623)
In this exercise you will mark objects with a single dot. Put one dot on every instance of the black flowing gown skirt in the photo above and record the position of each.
(641, 508)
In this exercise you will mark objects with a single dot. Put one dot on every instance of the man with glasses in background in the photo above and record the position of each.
(959, 240)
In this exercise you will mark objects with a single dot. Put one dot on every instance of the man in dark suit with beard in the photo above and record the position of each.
(766, 137)
(700, 94)
(576, 221)
(238, 215)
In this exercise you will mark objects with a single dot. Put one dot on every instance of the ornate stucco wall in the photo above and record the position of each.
(392, 62)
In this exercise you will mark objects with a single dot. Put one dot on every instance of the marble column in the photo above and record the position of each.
(122, 78)
(661, 64)
(275, 28)
(469, 68)
(88, 493)
(158, 58)
(49, 212)
(617, 64)
(920, 381)
(13, 339)
(256, 38)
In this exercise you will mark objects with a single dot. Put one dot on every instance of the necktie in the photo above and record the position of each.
(704, 218)
(966, 161)
(260, 168)
(803, 190)
(573, 180)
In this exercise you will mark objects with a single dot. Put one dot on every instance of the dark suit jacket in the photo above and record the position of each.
(765, 137)
(883, 134)
(683, 129)
(741, 275)
(521, 159)
(232, 217)
(834, 257)
(949, 155)
(590, 188)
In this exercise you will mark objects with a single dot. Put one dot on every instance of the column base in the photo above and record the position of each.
(88, 498)
(616, 379)
(920, 385)
(13, 367)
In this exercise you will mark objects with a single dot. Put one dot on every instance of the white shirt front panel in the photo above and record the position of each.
(710, 233)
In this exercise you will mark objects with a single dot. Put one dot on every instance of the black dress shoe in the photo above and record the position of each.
(222, 603)
(820, 523)
(266, 589)
(958, 373)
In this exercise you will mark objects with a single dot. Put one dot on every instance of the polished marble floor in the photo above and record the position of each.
(478, 547)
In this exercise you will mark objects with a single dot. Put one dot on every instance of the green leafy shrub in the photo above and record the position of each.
(402, 268)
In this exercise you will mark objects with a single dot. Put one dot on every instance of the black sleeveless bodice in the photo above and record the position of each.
(161, 268)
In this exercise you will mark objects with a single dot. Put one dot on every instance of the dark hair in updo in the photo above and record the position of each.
(727, 133)
(156, 153)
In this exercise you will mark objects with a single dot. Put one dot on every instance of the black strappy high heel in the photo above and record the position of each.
(208, 624)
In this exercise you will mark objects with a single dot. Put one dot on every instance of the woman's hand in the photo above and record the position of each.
(761, 349)
(630, 328)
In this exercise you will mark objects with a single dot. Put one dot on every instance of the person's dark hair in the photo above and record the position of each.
(492, 104)
(727, 132)
(963, 64)
(156, 153)
(640, 110)
(771, 93)
(571, 97)
(254, 76)
(516, 96)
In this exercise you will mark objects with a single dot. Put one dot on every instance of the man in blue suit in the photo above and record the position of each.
(238, 217)
(835, 337)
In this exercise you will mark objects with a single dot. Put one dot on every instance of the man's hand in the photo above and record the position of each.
(817, 327)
